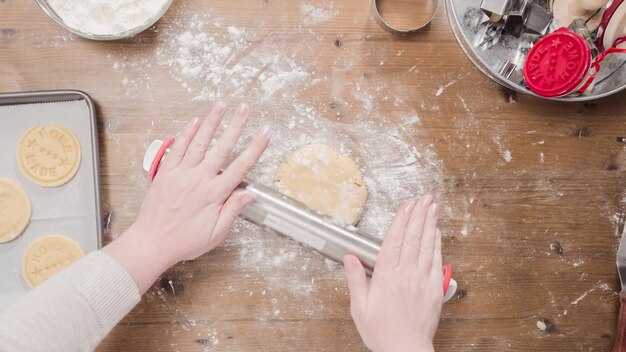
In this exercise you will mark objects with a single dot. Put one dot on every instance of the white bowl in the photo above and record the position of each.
(115, 36)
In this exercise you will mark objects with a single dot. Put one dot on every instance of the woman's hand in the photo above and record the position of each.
(190, 206)
(399, 309)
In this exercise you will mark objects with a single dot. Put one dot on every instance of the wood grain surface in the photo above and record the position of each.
(533, 191)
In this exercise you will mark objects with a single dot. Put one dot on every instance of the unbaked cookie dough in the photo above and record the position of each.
(49, 156)
(48, 255)
(15, 209)
(325, 181)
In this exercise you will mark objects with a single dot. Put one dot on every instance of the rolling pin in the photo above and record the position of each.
(296, 221)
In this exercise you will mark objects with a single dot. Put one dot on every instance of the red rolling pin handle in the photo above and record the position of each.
(447, 276)
(159, 156)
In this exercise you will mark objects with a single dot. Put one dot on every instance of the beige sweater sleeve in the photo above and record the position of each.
(73, 310)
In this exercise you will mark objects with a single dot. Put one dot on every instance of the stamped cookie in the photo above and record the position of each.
(48, 255)
(49, 156)
(15, 210)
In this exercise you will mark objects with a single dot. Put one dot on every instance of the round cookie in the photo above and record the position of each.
(49, 156)
(325, 181)
(15, 209)
(48, 255)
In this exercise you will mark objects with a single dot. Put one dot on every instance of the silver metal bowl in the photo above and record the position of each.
(610, 80)
(115, 36)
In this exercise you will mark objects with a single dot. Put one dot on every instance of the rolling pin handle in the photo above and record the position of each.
(154, 155)
(449, 284)
(620, 335)
(447, 276)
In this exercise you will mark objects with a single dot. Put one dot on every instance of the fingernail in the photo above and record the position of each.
(266, 131)
(248, 197)
(409, 207)
(243, 113)
(242, 109)
(434, 209)
(427, 199)
(195, 121)
(220, 106)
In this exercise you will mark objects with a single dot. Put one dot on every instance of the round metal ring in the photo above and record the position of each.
(384, 24)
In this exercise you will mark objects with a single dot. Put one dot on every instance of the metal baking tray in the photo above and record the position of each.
(464, 15)
(73, 209)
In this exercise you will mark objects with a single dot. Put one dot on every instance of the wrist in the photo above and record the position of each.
(148, 244)
(143, 258)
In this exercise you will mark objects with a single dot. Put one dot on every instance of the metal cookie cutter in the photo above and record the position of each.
(428, 6)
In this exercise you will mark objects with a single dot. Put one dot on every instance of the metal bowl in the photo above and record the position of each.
(610, 80)
(115, 36)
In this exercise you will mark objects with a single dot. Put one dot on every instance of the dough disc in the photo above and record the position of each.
(325, 181)
(49, 156)
(48, 255)
(15, 210)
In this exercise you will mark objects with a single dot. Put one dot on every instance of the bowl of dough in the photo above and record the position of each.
(105, 19)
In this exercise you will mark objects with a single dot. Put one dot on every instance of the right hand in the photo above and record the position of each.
(399, 309)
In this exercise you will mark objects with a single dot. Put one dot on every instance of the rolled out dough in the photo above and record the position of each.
(15, 210)
(325, 181)
(48, 255)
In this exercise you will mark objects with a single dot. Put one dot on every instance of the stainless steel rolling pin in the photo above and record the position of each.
(294, 220)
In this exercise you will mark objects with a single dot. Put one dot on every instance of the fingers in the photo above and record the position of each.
(224, 147)
(234, 206)
(437, 260)
(414, 231)
(182, 144)
(429, 239)
(200, 144)
(357, 284)
(236, 172)
(389, 254)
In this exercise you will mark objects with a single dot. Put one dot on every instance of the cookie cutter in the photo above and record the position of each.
(424, 5)
(296, 221)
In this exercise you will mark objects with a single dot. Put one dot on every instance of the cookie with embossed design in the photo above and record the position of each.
(49, 156)
(48, 255)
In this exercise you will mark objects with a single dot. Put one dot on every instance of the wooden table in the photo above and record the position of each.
(534, 191)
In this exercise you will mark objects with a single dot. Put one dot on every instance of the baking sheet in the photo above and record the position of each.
(73, 209)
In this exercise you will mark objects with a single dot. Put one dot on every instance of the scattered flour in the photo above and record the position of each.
(442, 88)
(603, 286)
(213, 59)
(465, 230)
(507, 156)
(577, 300)
(59, 41)
(312, 14)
